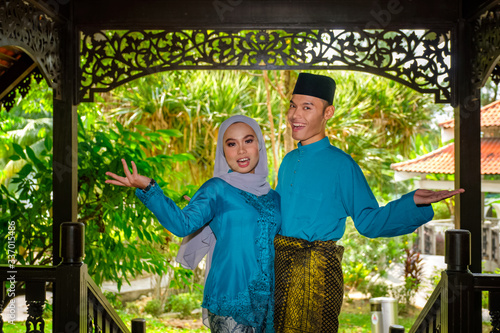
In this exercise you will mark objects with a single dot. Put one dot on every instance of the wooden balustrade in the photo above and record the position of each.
(430, 240)
(78, 303)
(455, 304)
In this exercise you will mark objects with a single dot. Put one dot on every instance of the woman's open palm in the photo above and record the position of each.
(131, 179)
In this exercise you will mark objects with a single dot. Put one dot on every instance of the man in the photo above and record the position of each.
(320, 186)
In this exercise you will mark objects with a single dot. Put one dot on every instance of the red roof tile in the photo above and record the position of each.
(442, 160)
(490, 116)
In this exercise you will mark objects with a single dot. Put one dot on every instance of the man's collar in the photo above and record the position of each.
(313, 147)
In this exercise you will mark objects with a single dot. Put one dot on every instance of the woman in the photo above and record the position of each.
(243, 213)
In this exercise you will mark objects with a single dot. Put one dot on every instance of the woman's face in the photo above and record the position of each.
(241, 148)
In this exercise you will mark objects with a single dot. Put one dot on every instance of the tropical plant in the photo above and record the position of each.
(365, 257)
(121, 240)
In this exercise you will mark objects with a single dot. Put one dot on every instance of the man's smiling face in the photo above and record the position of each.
(307, 116)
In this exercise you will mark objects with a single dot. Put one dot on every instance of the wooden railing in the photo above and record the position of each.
(78, 303)
(455, 304)
(430, 240)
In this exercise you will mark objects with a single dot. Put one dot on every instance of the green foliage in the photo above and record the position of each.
(30, 206)
(114, 224)
(121, 240)
(48, 311)
(365, 257)
(355, 274)
(132, 308)
(113, 299)
(153, 307)
(413, 279)
(404, 293)
(377, 289)
(184, 303)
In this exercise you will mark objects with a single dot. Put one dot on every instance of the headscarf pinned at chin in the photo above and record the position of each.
(202, 242)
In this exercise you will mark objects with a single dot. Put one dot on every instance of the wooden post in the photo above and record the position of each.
(71, 283)
(65, 134)
(458, 296)
(396, 329)
(468, 206)
(138, 325)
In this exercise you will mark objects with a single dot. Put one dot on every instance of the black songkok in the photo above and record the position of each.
(315, 85)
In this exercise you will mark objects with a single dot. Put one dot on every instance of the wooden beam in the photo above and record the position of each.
(260, 14)
(55, 9)
(472, 9)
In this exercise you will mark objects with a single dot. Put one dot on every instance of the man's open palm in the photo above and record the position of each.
(425, 197)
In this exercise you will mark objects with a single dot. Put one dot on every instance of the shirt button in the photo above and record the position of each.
(295, 171)
(291, 184)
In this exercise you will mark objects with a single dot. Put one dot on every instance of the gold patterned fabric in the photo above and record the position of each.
(309, 285)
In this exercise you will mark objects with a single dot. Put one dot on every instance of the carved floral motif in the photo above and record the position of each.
(23, 25)
(419, 59)
(487, 47)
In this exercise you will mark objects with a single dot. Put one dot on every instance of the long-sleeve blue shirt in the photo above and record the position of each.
(240, 283)
(320, 186)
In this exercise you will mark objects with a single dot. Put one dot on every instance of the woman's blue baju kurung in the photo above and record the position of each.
(240, 283)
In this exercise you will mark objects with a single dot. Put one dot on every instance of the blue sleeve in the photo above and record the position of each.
(181, 222)
(398, 217)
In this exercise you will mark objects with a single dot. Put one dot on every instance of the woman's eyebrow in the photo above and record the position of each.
(246, 136)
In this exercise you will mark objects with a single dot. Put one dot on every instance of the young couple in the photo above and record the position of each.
(240, 221)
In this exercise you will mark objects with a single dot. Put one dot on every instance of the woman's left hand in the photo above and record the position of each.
(426, 197)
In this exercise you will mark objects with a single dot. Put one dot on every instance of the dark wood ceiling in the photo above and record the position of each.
(161, 14)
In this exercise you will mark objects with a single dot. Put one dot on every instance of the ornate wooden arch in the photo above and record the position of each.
(419, 59)
(31, 29)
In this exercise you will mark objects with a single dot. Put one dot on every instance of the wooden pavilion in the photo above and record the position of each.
(448, 48)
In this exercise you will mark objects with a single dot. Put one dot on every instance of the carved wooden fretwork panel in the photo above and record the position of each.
(22, 88)
(495, 75)
(487, 47)
(420, 59)
(25, 26)
(35, 322)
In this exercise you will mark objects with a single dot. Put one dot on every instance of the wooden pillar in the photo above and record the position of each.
(65, 133)
(458, 308)
(468, 209)
(70, 305)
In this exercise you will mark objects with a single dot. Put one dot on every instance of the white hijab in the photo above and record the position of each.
(202, 242)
